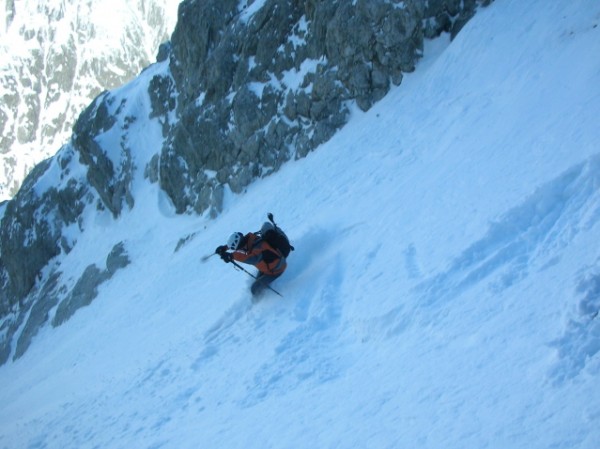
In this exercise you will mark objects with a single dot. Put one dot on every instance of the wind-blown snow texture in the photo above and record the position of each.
(444, 291)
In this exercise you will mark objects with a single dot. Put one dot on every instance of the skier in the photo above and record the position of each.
(253, 249)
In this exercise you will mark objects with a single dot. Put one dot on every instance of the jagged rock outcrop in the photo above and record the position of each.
(31, 231)
(55, 291)
(110, 181)
(31, 235)
(260, 87)
(86, 288)
(242, 88)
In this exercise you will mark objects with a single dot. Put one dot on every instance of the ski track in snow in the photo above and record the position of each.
(543, 224)
(313, 319)
(527, 237)
(580, 341)
(299, 355)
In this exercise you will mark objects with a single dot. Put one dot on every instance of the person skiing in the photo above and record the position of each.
(253, 249)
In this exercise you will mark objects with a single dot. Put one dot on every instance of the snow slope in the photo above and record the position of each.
(444, 291)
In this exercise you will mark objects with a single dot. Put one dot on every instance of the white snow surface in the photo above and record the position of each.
(443, 293)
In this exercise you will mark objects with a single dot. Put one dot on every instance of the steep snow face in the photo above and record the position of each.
(55, 57)
(196, 161)
(444, 291)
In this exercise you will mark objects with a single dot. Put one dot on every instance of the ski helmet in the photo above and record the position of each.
(234, 240)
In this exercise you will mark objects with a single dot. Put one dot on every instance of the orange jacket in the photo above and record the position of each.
(259, 253)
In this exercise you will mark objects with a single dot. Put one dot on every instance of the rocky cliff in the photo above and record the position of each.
(241, 88)
(263, 82)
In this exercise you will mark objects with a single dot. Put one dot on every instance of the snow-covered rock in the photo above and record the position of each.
(268, 81)
(55, 57)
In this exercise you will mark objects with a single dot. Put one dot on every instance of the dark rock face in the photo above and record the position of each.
(33, 236)
(48, 297)
(86, 288)
(258, 88)
(31, 231)
(53, 291)
(32, 227)
(110, 181)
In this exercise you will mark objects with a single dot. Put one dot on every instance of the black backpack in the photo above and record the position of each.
(274, 236)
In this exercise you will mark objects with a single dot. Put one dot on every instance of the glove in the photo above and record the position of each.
(221, 249)
(227, 257)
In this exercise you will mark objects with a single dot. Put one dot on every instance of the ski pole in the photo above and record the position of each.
(239, 267)
(208, 256)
